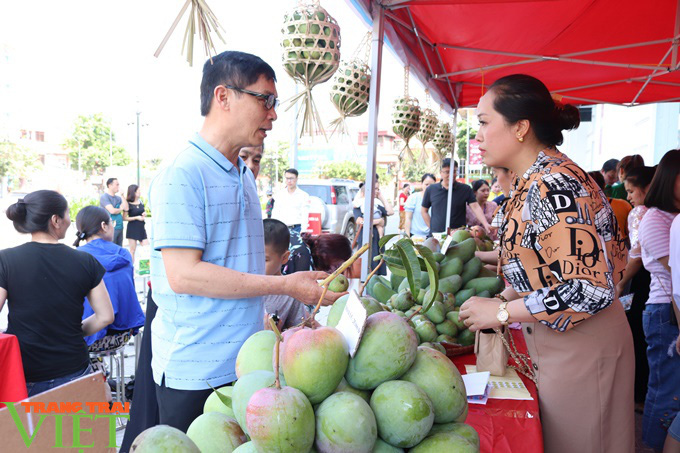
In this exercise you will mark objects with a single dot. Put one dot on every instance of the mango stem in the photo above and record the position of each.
(415, 312)
(361, 290)
(272, 324)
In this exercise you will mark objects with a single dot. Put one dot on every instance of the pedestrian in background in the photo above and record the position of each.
(403, 196)
(110, 201)
(291, 204)
(135, 215)
(415, 224)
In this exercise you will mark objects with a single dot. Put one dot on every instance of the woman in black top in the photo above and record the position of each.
(45, 284)
(135, 219)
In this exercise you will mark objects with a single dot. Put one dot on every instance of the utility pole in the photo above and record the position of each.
(110, 143)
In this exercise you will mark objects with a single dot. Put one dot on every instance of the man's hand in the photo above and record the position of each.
(304, 286)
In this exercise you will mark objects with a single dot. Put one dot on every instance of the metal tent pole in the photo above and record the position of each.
(452, 177)
(378, 14)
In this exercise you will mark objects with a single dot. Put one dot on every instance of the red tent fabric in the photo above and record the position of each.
(588, 51)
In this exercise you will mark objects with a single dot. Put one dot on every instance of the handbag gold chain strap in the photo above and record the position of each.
(520, 359)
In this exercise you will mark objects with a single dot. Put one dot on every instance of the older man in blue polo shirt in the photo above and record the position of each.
(207, 264)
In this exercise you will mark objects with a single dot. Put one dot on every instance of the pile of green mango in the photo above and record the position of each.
(461, 275)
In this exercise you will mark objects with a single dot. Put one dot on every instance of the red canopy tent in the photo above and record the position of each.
(588, 51)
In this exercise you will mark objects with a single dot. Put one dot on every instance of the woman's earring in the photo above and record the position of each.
(520, 138)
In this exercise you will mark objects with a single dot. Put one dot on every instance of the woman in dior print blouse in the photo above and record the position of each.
(562, 253)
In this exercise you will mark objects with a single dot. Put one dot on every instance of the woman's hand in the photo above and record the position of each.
(479, 313)
(360, 221)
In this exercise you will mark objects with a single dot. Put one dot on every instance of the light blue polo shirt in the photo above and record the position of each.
(203, 201)
(414, 205)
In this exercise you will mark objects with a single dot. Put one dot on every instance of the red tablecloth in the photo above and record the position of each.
(506, 425)
(12, 382)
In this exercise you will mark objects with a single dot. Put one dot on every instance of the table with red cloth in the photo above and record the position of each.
(12, 382)
(506, 425)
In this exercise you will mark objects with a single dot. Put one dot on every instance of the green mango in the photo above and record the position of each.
(440, 442)
(449, 302)
(484, 294)
(439, 378)
(463, 295)
(383, 447)
(486, 272)
(374, 281)
(403, 412)
(439, 347)
(460, 235)
(345, 422)
(466, 338)
(424, 280)
(403, 286)
(443, 338)
(382, 292)
(462, 429)
(403, 300)
(453, 316)
(451, 267)
(471, 269)
(421, 297)
(447, 327)
(395, 281)
(426, 331)
(339, 284)
(464, 250)
(493, 285)
(437, 312)
(399, 313)
(409, 312)
(439, 257)
(370, 304)
(451, 284)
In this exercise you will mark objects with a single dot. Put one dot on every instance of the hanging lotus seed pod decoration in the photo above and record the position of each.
(406, 117)
(351, 87)
(428, 127)
(443, 139)
(310, 41)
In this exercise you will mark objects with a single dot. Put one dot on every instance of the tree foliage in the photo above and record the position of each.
(461, 137)
(348, 169)
(16, 161)
(273, 157)
(413, 171)
(90, 144)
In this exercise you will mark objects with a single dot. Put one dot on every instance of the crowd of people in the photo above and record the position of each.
(572, 244)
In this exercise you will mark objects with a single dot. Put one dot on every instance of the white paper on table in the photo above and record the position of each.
(480, 399)
(352, 322)
(447, 244)
(475, 383)
(508, 387)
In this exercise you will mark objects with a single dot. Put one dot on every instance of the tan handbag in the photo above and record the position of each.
(492, 355)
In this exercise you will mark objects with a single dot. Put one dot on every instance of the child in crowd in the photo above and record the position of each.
(287, 311)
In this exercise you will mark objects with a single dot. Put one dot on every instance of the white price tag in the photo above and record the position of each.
(447, 244)
(352, 322)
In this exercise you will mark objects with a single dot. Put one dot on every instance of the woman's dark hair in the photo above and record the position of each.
(89, 222)
(522, 97)
(629, 162)
(478, 184)
(428, 175)
(32, 213)
(329, 251)
(640, 176)
(598, 178)
(661, 192)
(132, 188)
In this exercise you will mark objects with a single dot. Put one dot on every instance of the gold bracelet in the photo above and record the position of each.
(502, 298)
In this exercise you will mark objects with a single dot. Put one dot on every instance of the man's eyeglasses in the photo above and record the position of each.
(270, 100)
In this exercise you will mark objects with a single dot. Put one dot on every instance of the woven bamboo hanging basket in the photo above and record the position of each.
(350, 92)
(310, 42)
(443, 141)
(428, 127)
(406, 120)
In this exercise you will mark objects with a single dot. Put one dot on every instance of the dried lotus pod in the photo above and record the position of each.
(310, 43)
(350, 92)
(406, 120)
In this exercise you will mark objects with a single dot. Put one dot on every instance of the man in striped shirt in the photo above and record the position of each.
(207, 264)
